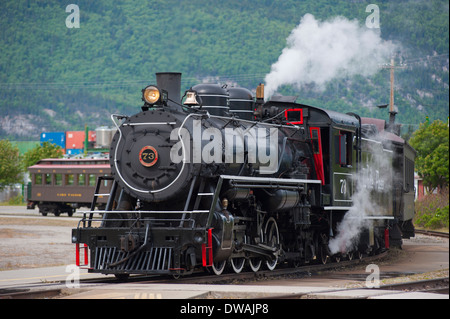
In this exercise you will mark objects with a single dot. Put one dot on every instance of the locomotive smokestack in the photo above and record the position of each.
(171, 82)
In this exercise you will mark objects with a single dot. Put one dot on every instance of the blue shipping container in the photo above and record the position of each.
(58, 138)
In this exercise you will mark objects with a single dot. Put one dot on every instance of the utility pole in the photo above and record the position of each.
(392, 111)
(391, 99)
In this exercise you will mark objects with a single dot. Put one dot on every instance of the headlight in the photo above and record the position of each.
(151, 94)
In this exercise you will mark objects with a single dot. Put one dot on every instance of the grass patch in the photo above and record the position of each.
(432, 212)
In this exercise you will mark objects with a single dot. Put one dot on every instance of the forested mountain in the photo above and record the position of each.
(57, 78)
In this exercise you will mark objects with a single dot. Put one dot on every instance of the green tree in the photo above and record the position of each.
(431, 142)
(46, 150)
(10, 168)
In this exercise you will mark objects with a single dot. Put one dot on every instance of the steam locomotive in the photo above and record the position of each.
(218, 178)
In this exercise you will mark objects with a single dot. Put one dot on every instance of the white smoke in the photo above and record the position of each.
(318, 52)
(353, 223)
(374, 178)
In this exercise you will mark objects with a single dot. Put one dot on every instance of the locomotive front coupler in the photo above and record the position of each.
(130, 241)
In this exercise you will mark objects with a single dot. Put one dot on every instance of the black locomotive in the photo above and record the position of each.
(217, 178)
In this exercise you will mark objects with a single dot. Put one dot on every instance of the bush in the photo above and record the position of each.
(16, 200)
(432, 211)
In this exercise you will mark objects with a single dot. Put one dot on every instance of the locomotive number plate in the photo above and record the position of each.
(148, 156)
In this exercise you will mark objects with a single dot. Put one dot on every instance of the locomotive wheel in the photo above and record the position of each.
(323, 254)
(255, 264)
(237, 264)
(218, 267)
(272, 237)
(359, 255)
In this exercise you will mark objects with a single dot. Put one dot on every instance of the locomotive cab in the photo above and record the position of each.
(334, 142)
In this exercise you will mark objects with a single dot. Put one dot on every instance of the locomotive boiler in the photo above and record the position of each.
(218, 178)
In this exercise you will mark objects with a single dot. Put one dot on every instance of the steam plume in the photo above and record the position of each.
(318, 52)
(353, 223)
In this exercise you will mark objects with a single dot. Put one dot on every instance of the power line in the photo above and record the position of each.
(424, 60)
(114, 84)
(185, 80)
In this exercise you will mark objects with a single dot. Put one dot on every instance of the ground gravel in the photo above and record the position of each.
(31, 243)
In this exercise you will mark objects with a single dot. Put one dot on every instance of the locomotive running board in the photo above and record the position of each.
(267, 181)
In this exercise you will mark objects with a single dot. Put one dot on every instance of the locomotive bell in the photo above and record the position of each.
(191, 98)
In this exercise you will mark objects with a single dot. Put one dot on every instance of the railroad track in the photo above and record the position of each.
(439, 285)
(53, 290)
(436, 285)
(431, 233)
(229, 278)
(30, 294)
